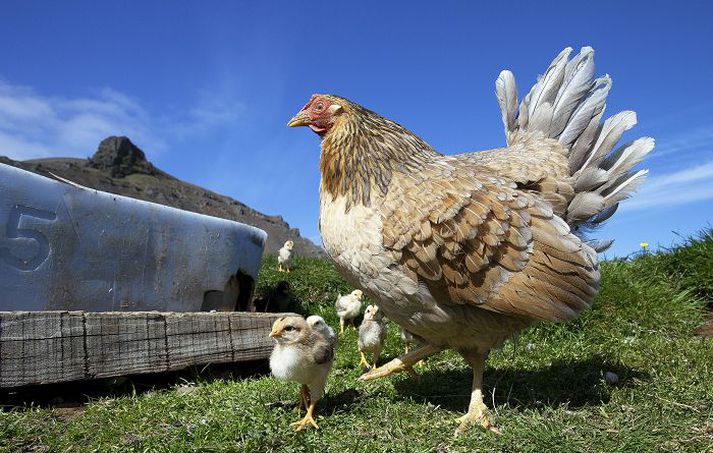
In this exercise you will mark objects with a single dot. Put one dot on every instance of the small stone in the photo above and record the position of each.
(185, 389)
(611, 378)
(529, 347)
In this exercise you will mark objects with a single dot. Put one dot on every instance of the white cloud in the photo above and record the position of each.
(680, 187)
(699, 139)
(33, 125)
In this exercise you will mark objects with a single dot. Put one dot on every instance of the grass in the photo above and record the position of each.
(547, 387)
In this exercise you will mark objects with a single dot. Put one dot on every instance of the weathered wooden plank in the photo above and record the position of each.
(59, 346)
(125, 343)
(37, 346)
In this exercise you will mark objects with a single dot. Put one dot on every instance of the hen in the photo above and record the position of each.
(466, 250)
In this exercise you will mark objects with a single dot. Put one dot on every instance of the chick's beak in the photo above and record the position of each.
(301, 119)
(275, 334)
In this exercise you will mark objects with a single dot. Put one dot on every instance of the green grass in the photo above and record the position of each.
(547, 387)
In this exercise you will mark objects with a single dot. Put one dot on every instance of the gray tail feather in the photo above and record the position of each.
(567, 104)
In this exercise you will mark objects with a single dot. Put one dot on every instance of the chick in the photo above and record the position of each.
(318, 323)
(348, 307)
(304, 354)
(284, 257)
(372, 333)
(274, 300)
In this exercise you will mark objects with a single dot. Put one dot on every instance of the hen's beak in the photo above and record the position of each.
(275, 334)
(301, 119)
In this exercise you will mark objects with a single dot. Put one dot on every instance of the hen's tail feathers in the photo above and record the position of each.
(567, 104)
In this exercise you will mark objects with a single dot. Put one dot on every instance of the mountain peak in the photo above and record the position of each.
(120, 157)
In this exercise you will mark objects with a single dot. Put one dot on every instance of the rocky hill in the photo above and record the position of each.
(121, 167)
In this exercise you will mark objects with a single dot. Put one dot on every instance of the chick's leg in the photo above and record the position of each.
(403, 363)
(478, 413)
(377, 354)
(304, 399)
(307, 420)
(341, 325)
(363, 362)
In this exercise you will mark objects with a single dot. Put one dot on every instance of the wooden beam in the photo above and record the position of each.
(42, 347)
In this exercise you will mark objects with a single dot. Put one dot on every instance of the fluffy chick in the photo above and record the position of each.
(304, 354)
(348, 307)
(284, 257)
(372, 334)
(318, 323)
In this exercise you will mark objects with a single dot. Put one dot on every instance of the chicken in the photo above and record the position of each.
(303, 353)
(348, 307)
(276, 299)
(318, 323)
(284, 257)
(372, 333)
(466, 250)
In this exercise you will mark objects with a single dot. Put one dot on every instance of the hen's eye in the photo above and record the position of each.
(319, 106)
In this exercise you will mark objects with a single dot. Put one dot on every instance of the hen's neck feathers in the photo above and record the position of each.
(361, 153)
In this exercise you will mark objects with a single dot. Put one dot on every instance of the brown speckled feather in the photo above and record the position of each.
(474, 238)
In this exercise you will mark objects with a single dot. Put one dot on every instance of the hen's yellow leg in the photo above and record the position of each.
(478, 413)
(307, 420)
(403, 363)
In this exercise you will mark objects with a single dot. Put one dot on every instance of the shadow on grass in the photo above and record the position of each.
(76, 394)
(331, 403)
(340, 402)
(572, 383)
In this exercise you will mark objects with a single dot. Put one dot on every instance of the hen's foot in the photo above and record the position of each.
(395, 366)
(476, 416)
(403, 363)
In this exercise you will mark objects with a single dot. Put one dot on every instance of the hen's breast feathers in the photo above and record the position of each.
(475, 238)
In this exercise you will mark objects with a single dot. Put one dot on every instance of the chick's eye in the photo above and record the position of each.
(289, 329)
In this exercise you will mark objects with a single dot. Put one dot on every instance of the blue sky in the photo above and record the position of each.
(205, 88)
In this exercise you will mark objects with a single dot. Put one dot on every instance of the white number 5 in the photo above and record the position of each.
(22, 235)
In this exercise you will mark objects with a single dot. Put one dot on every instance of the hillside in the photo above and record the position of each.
(121, 167)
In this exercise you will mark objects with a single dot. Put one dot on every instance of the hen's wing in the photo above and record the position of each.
(534, 164)
(476, 239)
